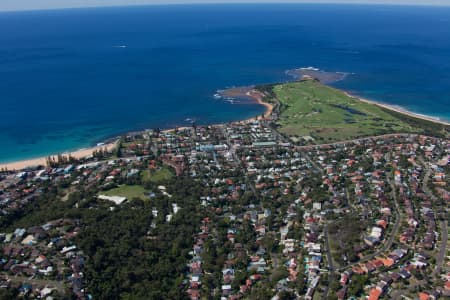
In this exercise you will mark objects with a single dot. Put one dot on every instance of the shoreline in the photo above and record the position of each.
(254, 94)
(86, 152)
(258, 97)
(41, 161)
(400, 110)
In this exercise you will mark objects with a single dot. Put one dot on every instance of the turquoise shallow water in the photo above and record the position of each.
(71, 78)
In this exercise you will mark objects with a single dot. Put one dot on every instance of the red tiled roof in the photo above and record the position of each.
(374, 294)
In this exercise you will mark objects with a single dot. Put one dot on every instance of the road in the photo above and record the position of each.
(330, 263)
(369, 138)
(232, 148)
(442, 250)
(280, 137)
(426, 178)
(397, 217)
(400, 293)
(443, 224)
(275, 264)
(387, 245)
(327, 245)
(394, 232)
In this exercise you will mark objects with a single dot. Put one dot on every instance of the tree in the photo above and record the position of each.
(286, 295)
(357, 285)
(279, 274)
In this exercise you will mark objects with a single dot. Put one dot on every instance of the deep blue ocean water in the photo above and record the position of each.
(66, 84)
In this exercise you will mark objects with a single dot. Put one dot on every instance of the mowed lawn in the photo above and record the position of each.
(138, 191)
(157, 176)
(309, 108)
(128, 191)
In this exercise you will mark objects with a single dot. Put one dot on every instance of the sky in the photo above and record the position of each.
(11, 5)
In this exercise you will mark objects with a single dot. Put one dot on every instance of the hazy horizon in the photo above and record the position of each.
(21, 5)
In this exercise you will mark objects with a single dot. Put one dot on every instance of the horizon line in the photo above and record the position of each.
(232, 3)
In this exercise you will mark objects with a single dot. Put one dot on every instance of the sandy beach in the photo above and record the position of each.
(252, 93)
(400, 110)
(79, 154)
(258, 96)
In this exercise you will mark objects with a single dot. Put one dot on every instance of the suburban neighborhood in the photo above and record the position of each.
(362, 219)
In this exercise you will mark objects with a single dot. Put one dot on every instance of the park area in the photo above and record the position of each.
(311, 111)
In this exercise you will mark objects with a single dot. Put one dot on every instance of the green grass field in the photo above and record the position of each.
(311, 109)
(128, 191)
(137, 191)
(156, 176)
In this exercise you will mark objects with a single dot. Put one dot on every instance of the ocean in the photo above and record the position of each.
(72, 78)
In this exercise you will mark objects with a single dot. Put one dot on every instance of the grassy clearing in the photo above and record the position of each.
(157, 176)
(128, 191)
(311, 109)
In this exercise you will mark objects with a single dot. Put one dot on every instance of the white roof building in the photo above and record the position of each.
(116, 199)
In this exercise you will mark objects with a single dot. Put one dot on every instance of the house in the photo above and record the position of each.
(423, 296)
(68, 249)
(344, 278)
(226, 289)
(404, 274)
(19, 232)
(387, 262)
(374, 294)
(45, 292)
(29, 240)
(371, 240)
